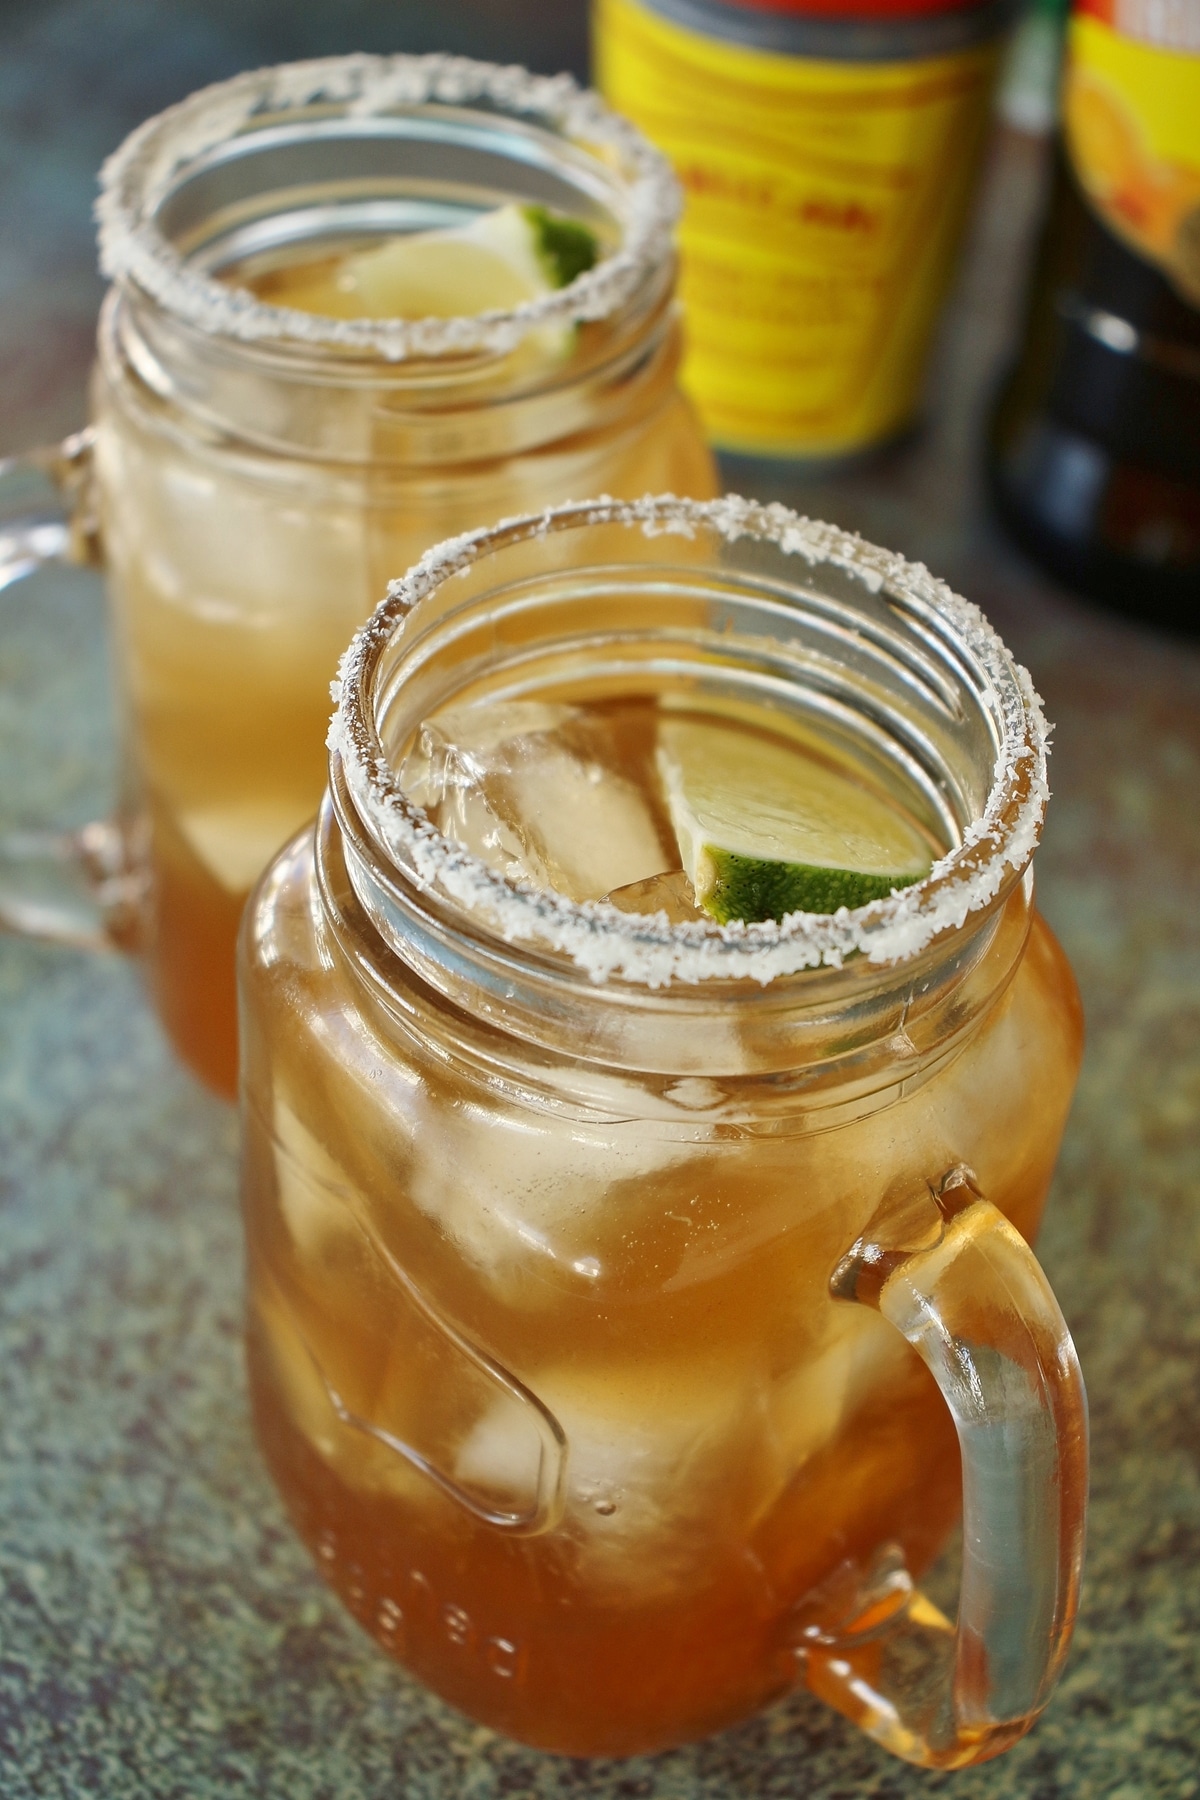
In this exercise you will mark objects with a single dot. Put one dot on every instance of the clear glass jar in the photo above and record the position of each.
(556, 1215)
(262, 473)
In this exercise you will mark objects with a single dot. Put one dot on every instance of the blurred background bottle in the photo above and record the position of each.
(1094, 447)
(828, 150)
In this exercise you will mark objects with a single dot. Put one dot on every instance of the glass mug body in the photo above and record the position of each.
(261, 475)
(544, 1355)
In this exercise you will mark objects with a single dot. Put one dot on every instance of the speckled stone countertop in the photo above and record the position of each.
(161, 1632)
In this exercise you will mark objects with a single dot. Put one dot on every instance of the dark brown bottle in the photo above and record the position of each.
(1094, 442)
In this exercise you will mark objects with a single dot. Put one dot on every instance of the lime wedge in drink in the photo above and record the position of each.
(497, 261)
(764, 829)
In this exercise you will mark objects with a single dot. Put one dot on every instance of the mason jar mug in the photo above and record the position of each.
(255, 472)
(633, 1303)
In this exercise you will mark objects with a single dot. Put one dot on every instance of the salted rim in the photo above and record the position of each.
(137, 176)
(601, 939)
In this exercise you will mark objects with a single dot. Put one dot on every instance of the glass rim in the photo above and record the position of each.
(991, 854)
(137, 177)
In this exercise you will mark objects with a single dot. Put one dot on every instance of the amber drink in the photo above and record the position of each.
(639, 1278)
(276, 437)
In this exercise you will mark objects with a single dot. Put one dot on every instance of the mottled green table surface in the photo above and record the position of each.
(161, 1632)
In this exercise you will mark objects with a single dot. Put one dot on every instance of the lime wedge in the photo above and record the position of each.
(498, 261)
(765, 829)
(565, 247)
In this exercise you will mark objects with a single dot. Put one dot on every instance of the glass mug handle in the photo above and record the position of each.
(72, 887)
(965, 1289)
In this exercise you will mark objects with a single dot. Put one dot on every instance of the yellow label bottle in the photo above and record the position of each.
(827, 150)
(1094, 444)
(1131, 114)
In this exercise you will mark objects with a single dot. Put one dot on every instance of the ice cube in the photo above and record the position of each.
(304, 1393)
(537, 1204)
(363, 1462)
(221, 551)
(661, 1459)
(236, 839)
(314, 1193)
(807, 1405)
(670, 893)
(537, 793)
